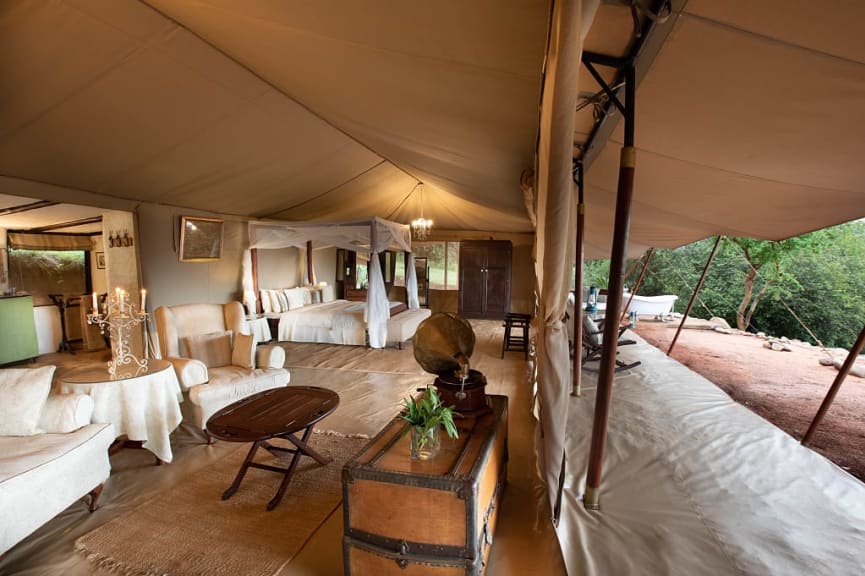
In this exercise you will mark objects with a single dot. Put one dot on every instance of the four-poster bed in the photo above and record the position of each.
(337, 322)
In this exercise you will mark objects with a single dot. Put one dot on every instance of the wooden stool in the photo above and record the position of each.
(513, 341)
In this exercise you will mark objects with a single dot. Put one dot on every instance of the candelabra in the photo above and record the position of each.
(119, 317)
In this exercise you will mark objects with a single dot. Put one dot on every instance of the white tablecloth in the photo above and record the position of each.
(260, 328)
(144, 408)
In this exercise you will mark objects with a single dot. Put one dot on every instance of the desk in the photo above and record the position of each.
(276, 413)
(144, 407)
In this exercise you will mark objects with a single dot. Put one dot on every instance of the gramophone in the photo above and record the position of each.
(443, 344)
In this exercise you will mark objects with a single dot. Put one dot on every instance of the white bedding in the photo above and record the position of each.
(336, 322)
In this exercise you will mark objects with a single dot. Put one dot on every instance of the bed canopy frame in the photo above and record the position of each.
(371, 236)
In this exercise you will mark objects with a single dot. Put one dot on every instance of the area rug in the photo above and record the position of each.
(191, 531)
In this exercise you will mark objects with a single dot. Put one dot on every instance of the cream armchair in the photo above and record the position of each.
(216, 359)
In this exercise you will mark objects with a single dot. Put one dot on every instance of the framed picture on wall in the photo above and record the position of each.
(100, 260)
(200, 239)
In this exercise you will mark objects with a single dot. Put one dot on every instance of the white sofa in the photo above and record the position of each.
(50, 453)
(193, 337)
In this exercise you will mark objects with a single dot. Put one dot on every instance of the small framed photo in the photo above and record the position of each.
(100, 260)
(200, 239)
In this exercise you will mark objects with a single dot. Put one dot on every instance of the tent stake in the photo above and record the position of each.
(694, 295)
(615, 284)
(836, 385)
(576, 389)
(638, 284)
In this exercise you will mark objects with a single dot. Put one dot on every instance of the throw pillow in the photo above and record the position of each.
(307, 296)
(327, 294)
(295, 298)
(275, 306)
(283, 301)
(23, 392)
(265, 302)
(212, 349)
(243, 353)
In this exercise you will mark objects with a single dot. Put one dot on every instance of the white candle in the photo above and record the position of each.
(95, 304)
(143, 298)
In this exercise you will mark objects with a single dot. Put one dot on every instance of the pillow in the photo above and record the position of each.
(23, 392)
(306, 294)
(275, 306)
(283, 301)
(295, 298)
(243, 353)
(265, 302)
(213, 349)
(327, 294)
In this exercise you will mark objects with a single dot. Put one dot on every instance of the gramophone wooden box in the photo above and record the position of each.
(433, 517)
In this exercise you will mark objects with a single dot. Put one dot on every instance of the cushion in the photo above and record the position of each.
(295, 298)
(283, 301)
(306, 294)
(327, 294)
(265, 302)
(23, 392)
(64, 413)
(275, 306)
(213, 349)
(243, 353)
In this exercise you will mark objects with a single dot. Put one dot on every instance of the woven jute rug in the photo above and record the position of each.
(191, 531)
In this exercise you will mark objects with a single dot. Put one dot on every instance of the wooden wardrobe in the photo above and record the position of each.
(485, 278)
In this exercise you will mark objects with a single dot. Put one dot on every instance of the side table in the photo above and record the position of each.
(143, 407)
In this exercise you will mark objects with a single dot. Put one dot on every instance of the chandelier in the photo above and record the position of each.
(421, 227)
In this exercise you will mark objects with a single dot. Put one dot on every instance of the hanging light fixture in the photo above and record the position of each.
(421, 227)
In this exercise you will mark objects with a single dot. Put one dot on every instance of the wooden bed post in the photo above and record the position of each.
(310, 273)
(615, 284)
(254, 256)
(694, 295)
(576, 387)
(637, 285)
(836, 385)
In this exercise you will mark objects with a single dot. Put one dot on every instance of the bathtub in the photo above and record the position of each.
(651, 305)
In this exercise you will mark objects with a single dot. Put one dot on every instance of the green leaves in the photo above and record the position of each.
(427, 412)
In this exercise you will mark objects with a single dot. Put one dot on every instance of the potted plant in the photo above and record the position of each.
(426, 414)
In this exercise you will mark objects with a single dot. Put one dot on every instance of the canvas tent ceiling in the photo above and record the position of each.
(748, 119)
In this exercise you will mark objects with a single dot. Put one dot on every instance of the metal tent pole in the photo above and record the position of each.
(576, 389)
(615, 284)
(694, 295)
(836, 385)
(639, 282)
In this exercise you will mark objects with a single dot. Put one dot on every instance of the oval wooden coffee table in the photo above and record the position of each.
(276, 413)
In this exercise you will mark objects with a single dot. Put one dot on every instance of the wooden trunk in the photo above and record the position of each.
(407, 517)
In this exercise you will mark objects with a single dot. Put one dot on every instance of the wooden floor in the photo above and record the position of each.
(370, 395)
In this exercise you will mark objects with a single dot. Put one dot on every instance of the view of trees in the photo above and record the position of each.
(763, 286)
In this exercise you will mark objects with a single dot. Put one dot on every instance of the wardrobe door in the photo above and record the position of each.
(472, 279)
(498, 280)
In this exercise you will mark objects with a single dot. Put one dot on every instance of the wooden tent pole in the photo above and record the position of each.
(694, 295)
(639, 282)
(310, 275)
(615, 284)
(576, 388)
(836, 385)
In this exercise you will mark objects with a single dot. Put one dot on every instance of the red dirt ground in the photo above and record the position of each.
(785, 388)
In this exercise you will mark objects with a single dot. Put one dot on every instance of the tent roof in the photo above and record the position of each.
(747, 120)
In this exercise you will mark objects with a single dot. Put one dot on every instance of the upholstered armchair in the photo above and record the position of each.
(216, 358)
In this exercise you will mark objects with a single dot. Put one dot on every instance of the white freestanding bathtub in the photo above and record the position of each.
(651, 305)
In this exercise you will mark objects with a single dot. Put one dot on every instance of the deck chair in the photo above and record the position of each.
(593, 343)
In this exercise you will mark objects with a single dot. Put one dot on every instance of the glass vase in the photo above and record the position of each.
(424, 442)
